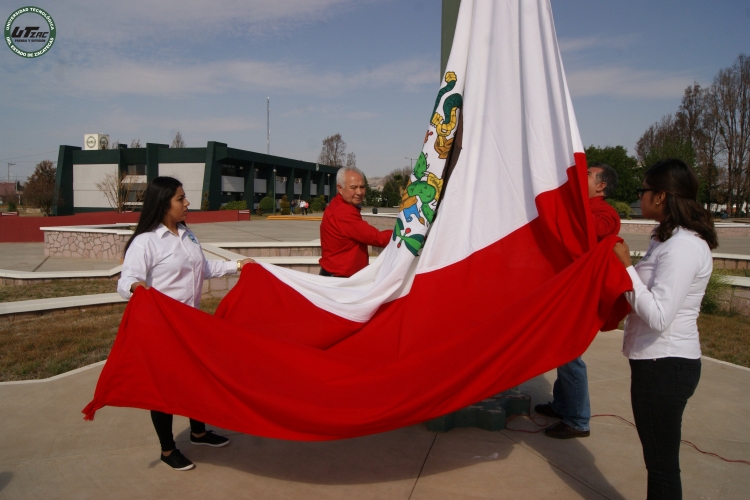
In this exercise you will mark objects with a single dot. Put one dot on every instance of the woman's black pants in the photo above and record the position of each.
(163, 425)
(659, 390)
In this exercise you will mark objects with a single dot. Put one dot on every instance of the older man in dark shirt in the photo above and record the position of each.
(344, 236)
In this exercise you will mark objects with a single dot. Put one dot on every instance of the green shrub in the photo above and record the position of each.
(266, 204)
(285, 206)
(235, 205)
(621, 207)
(718, 284)
(12, 206)
(205, 205)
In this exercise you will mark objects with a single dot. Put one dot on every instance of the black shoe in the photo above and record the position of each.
(546, 410)
(209, 439)
(177, 461)
(563, 431)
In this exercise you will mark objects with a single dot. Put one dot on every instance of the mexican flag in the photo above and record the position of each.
(492, 277)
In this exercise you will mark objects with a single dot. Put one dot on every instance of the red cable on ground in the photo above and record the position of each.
(536, 416)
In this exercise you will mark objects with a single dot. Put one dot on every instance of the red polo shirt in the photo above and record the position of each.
(606, 218)
(344, 237)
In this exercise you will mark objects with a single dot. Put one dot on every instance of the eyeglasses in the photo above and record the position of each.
(640, 191)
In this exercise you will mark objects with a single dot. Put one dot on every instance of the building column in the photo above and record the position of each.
(290, 185)
(152, 160)
(332, 186)
(306, 185)
(62, 203)
(212, 175)
(249, 194)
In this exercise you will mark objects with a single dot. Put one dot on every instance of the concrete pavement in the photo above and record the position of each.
(48, 451)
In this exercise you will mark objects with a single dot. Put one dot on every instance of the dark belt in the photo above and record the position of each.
(323, 272)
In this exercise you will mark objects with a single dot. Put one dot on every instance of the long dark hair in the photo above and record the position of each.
(156, 202)
(680, 184)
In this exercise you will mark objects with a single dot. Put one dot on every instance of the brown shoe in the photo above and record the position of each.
(546, 410)
(563, 431)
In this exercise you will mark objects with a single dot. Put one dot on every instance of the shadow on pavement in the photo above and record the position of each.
(568, 458)
(397, 455)
(5, 479)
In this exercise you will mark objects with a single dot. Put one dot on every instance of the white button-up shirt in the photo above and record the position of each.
(668, 286)
(173, 264)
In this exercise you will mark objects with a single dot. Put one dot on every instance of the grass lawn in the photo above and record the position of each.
(43, 346)
(725, 337)
(56, 288)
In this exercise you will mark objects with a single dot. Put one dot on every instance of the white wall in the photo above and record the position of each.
(191, 176)
(232, 184)
(85, 178)
(260, 185)
(313, 189)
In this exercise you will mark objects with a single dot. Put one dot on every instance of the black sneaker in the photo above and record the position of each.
(177, 461)
(209, 439)
(546, 410)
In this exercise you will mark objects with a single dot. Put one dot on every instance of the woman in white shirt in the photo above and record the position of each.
(163, 253)
(661, 333)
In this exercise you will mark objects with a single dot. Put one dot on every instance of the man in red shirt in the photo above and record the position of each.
(570, 393)
(344, 236)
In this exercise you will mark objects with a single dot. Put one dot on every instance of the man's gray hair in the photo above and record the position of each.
(608, 175)
(341, 174)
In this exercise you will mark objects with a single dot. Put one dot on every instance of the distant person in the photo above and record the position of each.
(303, 206)
(570, 393)
(344, 236)
(163, 253)
(661, 333)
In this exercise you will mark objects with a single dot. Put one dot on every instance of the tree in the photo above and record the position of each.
(333, 152)
(731, 106)
(710, 132)
(629, 176)
(372, 195)
(40, 188)
(351, 160)
(395, 181)
(135, 143)
(668, 138)
(177, 142)
(121, 191)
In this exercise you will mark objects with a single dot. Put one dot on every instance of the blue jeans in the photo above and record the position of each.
(570, 395)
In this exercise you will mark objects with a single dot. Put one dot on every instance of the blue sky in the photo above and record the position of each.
(367, 69)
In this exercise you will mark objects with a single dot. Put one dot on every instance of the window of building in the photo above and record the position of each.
(137, 169)
(232, 170)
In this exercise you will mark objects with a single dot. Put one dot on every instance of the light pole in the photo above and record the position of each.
(268, 127)
(411, 162)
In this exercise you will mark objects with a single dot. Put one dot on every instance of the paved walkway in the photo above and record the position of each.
(48, 451)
